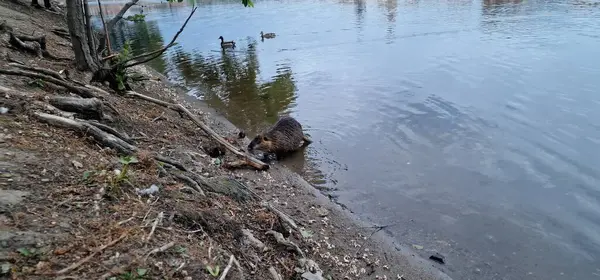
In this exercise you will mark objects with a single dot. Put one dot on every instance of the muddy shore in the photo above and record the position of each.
(63, 214)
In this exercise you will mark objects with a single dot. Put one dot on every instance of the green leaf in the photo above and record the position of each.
(214, 272)
(87, 174)
(24, 252)
(247, 3)
(180, 249)
(141, 271)
(128, 159)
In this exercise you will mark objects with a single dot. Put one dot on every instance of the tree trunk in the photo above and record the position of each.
(86, 57)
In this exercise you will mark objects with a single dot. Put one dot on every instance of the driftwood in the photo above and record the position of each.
(102, 137)
(84, 107)
(81, 91)
(182, 110)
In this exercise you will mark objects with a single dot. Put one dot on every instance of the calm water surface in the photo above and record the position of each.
(471, 127)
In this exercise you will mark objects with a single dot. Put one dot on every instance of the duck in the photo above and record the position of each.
(226, 44)
(267, 35)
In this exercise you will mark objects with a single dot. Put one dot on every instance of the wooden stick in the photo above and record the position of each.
(227, 268)
(159, 218)
(88, 258)
(180, 109)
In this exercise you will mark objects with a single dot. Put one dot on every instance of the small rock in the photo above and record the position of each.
(437, 257)
(151, 190)
(3, 110)
(322, 212)
(418, 247)
(45, 180)
(5, 268)
(77, 164)
(241, 134)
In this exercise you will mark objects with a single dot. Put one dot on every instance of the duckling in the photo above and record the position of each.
(267, 35)
(226, 44)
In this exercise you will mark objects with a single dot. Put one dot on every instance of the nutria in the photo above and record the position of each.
(283, 137)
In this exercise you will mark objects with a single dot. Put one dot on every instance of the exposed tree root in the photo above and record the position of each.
(19, 44)
(112, 131)
(190, 182)
(182, 110)
(102, 137)
(84, 107)
(282, 241)
(281, 215)
(81, 91)
(39, 70)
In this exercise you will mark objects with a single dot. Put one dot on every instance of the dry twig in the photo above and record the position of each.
(158, 219)
(88, 258)
(161, 249)
(227, 268)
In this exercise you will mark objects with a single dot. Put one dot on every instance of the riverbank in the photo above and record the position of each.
(65, 212)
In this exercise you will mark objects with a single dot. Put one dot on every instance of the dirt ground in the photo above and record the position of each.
(69, 210)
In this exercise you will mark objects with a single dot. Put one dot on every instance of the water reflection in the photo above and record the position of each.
(229, 82)
(142, 36)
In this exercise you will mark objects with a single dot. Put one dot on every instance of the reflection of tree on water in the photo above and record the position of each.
(229, 83)
(391, 10)
(498, 7)
(144, 36)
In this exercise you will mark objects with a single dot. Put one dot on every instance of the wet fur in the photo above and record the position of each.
(283, 137)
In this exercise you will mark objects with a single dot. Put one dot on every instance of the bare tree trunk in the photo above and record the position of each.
(85, 56)
(88, 24)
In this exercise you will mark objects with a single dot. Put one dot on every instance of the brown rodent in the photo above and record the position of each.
(283, 137)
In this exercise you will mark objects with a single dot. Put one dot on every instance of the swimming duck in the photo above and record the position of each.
(226, 44)
(267, 35)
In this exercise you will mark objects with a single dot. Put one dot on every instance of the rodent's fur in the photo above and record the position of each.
(284, 136)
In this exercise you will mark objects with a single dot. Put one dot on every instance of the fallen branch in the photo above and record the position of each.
(111, 23)
(81, 91)
(227, 268)
(157, 53)
(282, 241)
(274, 274)
(161, 249)
(102, 137)
(88, 258)
(158, 219)
(85, 107)
(182, 110)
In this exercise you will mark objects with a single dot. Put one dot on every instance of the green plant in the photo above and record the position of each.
(121, 71)
(29, 253)
(213, 271)
(123, 174)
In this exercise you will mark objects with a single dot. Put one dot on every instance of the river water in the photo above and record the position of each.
(471, 128)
